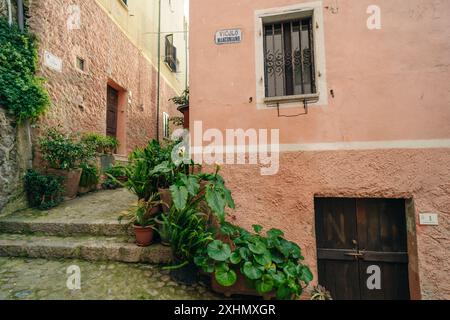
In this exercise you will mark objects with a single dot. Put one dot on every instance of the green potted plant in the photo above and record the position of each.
(320, 293)
(163, 227)
(182, 102)
(64, 154)
(256, 264)
(143, 220)
(43, 191)
(104, 147)
(89, 178)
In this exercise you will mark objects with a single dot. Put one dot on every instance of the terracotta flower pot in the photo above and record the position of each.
(144, 235)
(71, 180)
(166, 198)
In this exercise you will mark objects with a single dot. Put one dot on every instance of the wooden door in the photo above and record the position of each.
(359, 239)
(112, 104)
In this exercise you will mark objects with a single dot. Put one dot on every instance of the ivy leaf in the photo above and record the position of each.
(251, 272)
(264, 285)
(179, 196)
(235, 258)
(226, 278)
(257, 228)
(258, 247)
(219, 251)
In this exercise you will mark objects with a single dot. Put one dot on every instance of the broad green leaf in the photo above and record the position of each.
(305, 274)
(279, 278)
(251, 272)
(290, 270)
(284, 293)
(296, 252)
(275, 233)
(219, 251)
(257, 228)
(264, 285)
(179, 196)
(258, 247)
(235, 257)
(229, 199)
(263, 259)
(216, 203)
(277, 257)
(192, 185)
(226, 278)
(245, 253)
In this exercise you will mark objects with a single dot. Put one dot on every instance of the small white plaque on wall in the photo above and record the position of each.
(428, 219)
(53, 62)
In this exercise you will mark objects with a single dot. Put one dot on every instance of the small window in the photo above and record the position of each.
(81, 64)
(166, 125)
(171, 53)
(289, 58)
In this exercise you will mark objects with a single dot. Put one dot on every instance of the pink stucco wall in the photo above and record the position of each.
(390, 85)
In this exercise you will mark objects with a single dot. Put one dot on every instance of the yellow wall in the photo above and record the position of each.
(139, 20)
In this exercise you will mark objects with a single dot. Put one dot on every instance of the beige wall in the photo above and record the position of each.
(139, 20)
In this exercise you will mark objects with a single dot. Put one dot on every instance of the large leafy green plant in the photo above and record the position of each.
(269, 263)
(21, 91)
(43, 191)
(209, 188)
(139, 173)
(187, 231)
(64, 151)
(100, 143)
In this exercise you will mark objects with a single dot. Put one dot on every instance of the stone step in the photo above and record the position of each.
(120, 249)
(65, 228)
(94, 214)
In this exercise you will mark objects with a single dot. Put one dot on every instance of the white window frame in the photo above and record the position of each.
(166, 125)
(315, 9)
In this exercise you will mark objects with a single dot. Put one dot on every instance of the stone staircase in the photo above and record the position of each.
(85, 228)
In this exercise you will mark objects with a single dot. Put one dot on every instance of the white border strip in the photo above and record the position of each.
(332, 146)
(368, 145)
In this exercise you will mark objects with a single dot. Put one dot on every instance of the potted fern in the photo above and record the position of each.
(143, 220)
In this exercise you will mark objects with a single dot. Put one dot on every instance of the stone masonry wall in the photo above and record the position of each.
(79, 98)
(9, 173)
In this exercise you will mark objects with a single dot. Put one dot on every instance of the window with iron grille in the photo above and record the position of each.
(289, 58)
(171, 53)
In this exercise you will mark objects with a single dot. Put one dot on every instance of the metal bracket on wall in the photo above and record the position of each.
(305, 106)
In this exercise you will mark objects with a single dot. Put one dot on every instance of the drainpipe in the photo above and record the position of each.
(9, 12)
(159, 72)
(20, 15)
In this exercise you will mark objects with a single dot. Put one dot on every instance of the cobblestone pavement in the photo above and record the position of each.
(37, 279)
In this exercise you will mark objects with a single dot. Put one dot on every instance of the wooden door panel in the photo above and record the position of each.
(112, 101)
(340, 278)
(394, 277)
(381, 225)
(336, 223)
(353, 234)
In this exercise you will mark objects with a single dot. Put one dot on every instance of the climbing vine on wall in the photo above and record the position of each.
(21, 91)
